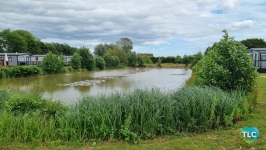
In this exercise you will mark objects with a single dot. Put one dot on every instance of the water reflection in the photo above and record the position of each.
(115, 80)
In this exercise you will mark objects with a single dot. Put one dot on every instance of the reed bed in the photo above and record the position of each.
(140, 114)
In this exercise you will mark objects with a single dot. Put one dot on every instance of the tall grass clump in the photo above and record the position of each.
(130, 116)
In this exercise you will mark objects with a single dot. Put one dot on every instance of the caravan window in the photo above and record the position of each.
(1, 58)
(263, 56)
(10, 59)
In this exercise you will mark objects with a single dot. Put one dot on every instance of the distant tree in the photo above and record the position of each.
(33, 44)
(254, 43)
(197, 57)
(169, 59)
(159, 63)
(100, 63)
(121, 54)
(46, 47)
(99, 50)
(140, 61)
(75, 62)
(87, 60)
(147, 60)
(154, 59)
(132, 59)
(51, 64)
(178, 59)
(126, 44)
(186, 60)
(110, 60)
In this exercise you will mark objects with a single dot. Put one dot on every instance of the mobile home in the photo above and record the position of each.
(259, 57)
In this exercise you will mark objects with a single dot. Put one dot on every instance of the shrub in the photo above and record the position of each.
(100, 63)
(52, 64)
(75, 62)
(228, 66)
(87, 60)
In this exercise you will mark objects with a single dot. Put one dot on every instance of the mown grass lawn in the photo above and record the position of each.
(227, 138)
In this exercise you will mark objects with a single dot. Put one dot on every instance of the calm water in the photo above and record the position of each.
(115, 80)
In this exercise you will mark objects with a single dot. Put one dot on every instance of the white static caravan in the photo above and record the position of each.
(259, 57)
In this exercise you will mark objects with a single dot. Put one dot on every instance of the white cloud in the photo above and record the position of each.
(148, 23)
(205, 15)
(243, 24)
(231, 4)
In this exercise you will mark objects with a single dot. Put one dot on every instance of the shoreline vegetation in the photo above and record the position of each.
(223, 95)
(25, 71)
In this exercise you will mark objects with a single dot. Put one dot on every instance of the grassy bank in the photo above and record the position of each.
(224, 138)
(121, 116)
(167, 65)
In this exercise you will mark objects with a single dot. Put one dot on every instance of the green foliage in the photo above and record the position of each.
(132, 59)
(87, 60)
(228, 66)
(19, 71)
(51, 64)
(147, 60)
(33, 44)
(100, 63)
(178, 59)
(126, 44)
(140, 61)
(121, 54)
(75, 62)
(186, 60)
(110, 60)
(11, 41)
(197, 57)
(254, 43)
(159, 63)
(125, 115)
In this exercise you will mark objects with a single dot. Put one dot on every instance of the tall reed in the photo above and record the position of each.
(140, 114)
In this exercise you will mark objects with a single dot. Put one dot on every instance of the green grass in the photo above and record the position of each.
(220, 138)
(166, 65)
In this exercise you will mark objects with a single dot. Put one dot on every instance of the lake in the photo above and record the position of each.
(70, 87)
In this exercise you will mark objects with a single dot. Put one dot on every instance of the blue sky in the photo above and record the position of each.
(164, 28)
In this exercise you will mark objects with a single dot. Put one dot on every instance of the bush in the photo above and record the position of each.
(100, 63)
(228, 66)
(87, 60)
(147, 60)
(51, 64)
(75, 62)
(19, 71)
(111, 61)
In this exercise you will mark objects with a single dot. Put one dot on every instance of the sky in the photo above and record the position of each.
(161, 27)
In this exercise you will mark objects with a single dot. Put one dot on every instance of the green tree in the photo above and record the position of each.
(132, 59)
(33, 44)
(254, 43)
(120, 54)
(75, 62)
(110, 60)
(11, 41)
(87, 60)
(147, 60)
(52, 64)
(227, 66)
(186, 60)
(100, 63)
(178, 59)
(140, 61)
(99, 50)
(126, 44)
(197, 57)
